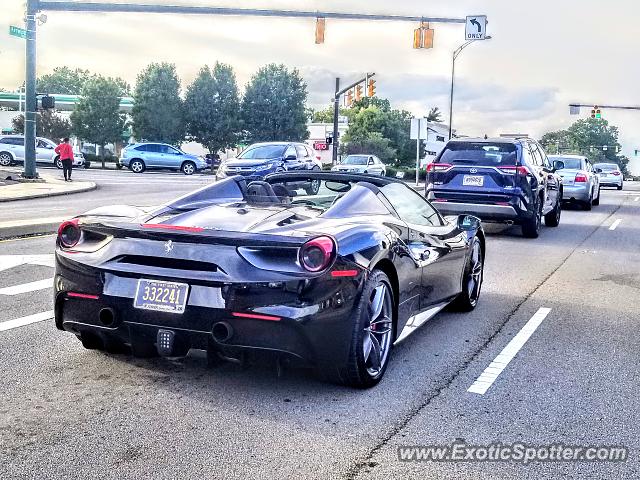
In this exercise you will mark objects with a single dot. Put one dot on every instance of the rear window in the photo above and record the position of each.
(569, 163)
(607, 167)
(479, 153)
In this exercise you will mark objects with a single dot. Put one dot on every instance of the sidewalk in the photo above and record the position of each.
(45, 186)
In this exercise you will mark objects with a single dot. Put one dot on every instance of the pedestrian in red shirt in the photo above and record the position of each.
(66, 156)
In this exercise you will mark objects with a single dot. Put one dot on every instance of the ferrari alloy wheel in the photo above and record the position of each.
(5, 159)
(472, 280)
(372, 337)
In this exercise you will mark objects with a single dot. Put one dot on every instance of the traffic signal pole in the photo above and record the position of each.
(30, 93)
(336, 110)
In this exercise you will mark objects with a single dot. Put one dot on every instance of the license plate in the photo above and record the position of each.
(161, 296)
(473, 180)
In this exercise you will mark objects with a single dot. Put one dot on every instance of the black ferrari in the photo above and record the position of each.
(242, 270)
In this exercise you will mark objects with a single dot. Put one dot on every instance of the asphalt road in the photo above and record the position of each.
(69, 412)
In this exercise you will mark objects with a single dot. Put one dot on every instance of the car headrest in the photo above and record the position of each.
(261, 192)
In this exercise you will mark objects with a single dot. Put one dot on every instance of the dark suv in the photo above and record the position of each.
(499, 180)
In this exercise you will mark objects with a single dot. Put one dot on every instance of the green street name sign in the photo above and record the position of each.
(17, 32)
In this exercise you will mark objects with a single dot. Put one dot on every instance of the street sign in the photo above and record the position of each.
(476, 27)
(17, 32)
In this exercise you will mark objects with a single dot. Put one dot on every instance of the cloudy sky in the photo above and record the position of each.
(540, 59)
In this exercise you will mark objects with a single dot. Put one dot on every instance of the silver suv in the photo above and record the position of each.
(12, 152)
(141, 156)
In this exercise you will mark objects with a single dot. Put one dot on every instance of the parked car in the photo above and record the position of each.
(580, 181)
(139, 157)
(12, 152)
(610, 175)
(245, 270)
(213, 160)
(261, 159)
(498, 180)
(361, 164)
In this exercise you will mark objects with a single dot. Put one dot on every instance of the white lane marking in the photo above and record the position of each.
(32, 221)
(615, 224)
(10, 261)
(490, 374)
(636, 199)
(29, 319)
(27, 287)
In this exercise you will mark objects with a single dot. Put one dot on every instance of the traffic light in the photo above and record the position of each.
(349, 98)
(320, 25)
(596, 113)
(423, 36)
(48, 102)
(358, 92)
(371, 88)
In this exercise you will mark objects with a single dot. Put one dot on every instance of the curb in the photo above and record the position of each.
(93, 186)
(28, 230)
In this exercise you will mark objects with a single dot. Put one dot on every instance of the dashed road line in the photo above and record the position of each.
(615, 224)
(636, 199)
(28, 320)
(27, 287)
(491, 373)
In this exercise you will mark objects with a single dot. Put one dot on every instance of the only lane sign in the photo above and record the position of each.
(476, 27)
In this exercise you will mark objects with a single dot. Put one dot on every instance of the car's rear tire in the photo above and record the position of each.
(587, 205)
(58, 163)
(531, 226)
(5, 159)
(137, 166)
(188, 168)
(619, 187)
(472, 279)
(372, 335)
(596, 201)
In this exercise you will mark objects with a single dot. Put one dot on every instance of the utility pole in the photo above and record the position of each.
(31, 102)
(336, 114)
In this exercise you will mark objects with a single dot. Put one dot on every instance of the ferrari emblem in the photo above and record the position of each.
(168, 247)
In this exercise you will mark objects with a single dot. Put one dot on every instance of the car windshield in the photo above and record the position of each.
(479, 153)
(570, 163)
(607, 167)
(262, 151)
(355, 160)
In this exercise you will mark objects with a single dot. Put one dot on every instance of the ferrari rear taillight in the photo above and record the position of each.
(69, 233)
(317, 254)
(581, 178)
(520, 170)
(616, 173)
(438, 167)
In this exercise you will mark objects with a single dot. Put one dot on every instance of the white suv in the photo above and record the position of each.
(12, 152)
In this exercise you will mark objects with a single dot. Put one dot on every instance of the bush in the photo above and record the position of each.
(409, 173)
(93, 158)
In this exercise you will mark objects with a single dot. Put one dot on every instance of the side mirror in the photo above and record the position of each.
(370, 162)
(468, 223)
(598, 170)
(290, 157)
(558, 165)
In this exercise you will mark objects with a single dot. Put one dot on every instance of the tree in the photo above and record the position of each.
(434, 115)
(48, 124)
(273, 107)
(97, 118)
(63, 80)
(591, 137)
(212, 108)
(157, 112)
(372, 143)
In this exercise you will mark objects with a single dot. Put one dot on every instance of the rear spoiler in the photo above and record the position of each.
(184, 234)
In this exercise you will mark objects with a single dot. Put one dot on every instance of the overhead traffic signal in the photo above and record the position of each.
(371, 88)
(320, 26)
(358, 92)
(349, 98)
(596, 113)
(423, 36)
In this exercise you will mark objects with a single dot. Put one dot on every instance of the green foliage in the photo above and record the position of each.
(70, 82)
(375, 115)
(326, 115)
(48, 125)
(273, 107)
(370, 143)
(587, 137)
(212, 107)
(434, 115)
(158, 110)
(97, 118)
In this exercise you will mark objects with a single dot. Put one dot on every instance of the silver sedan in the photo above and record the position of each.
(580, 181)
